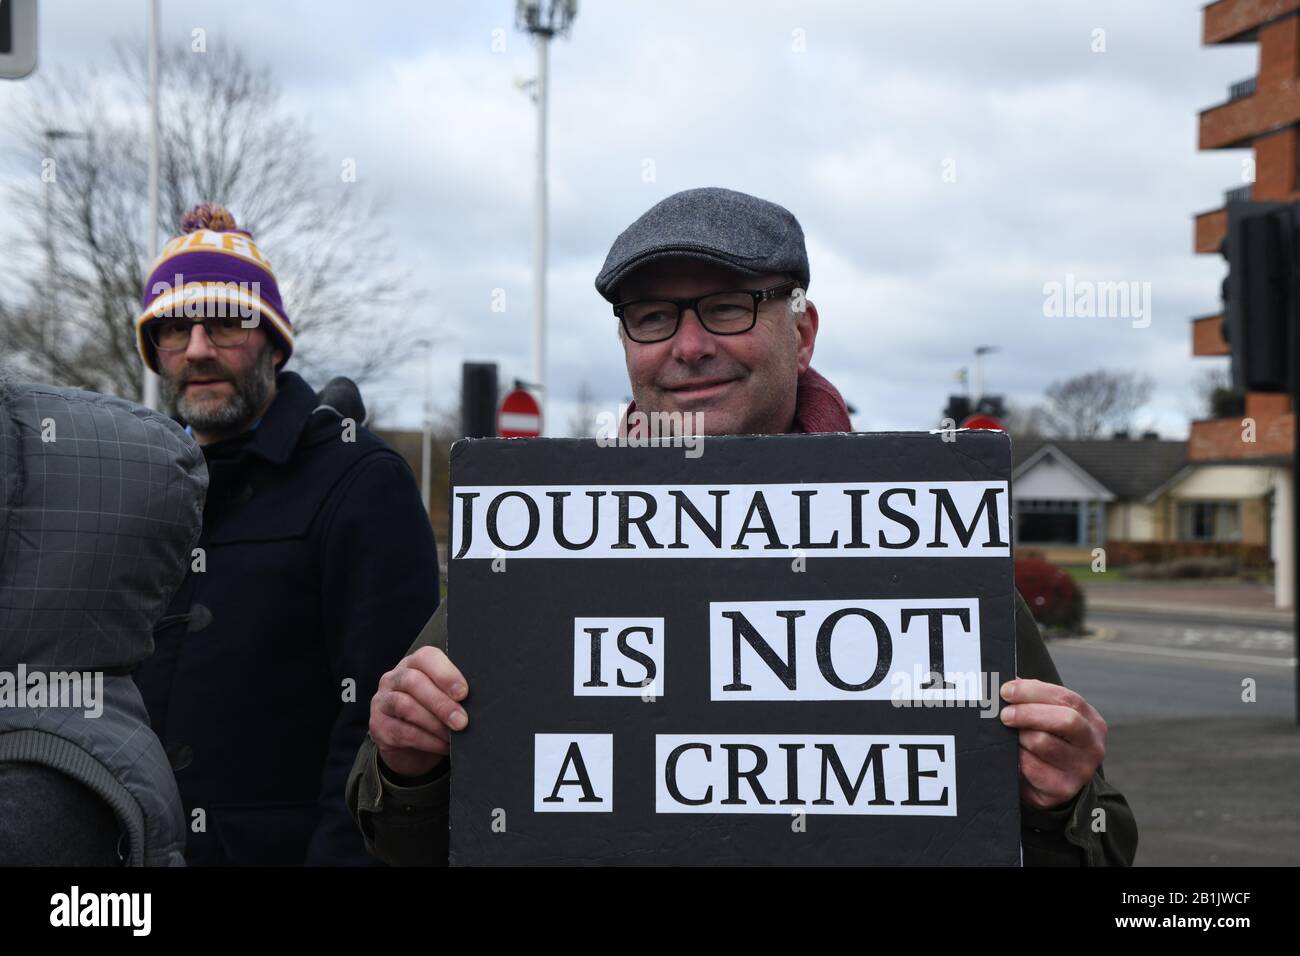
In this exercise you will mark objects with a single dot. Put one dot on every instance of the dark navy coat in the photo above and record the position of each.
(320, 571)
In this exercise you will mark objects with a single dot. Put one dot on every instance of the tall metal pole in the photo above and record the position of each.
(539, 233)
(426, 436)
(426, 424)
(543, 19)
(51, 313)
(150, 392)
(980, 352)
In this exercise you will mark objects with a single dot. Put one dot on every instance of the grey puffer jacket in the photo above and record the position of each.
(101, 503)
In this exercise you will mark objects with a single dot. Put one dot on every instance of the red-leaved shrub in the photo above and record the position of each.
(1052, 595)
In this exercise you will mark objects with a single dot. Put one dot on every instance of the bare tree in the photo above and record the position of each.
(1095, 403)
(67, 315)
(1024, 420)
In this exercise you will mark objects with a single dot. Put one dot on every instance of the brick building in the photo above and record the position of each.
(1262, 114)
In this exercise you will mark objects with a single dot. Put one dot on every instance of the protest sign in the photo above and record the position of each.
(784, 649)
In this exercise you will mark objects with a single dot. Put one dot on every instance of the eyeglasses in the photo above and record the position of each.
(722, 313)
(226, 332)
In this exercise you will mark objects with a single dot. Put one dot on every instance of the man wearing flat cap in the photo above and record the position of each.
(709, 288)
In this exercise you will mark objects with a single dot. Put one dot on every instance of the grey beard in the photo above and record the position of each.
(251, 392)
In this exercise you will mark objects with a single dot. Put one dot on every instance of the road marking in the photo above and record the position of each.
(1194, 655)
(1235, 617)
(1100, 634)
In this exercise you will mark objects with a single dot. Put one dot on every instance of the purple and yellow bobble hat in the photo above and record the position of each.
(212, 260)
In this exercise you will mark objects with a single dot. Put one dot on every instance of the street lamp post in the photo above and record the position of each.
(150, 391)
(980, 352)
(51, 283)
(543, 19)
(426, 429)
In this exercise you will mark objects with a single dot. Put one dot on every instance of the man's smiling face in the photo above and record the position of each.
(743, 384)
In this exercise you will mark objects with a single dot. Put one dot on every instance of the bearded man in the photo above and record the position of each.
(315, 568)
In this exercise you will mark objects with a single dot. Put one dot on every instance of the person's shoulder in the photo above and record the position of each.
(332, 449)
(326, 432)
(346, 454)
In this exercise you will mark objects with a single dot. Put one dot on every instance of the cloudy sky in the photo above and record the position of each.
(946, 161)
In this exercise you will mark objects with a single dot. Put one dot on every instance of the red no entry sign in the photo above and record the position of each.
(519, 416)
(984, 421)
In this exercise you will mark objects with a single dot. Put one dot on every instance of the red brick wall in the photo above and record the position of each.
(1211, 227)
(1207, 336)
(1275, 181)
(1220, 438)
(1275, 166)
(1278, 51)
(1276, 102)
(1261, 405)
(1229, 18)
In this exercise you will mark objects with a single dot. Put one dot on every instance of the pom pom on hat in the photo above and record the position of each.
(208, 215)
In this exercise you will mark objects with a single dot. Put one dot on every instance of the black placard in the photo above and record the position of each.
(732, 653)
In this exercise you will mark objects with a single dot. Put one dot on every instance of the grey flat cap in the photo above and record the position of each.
(718, 225)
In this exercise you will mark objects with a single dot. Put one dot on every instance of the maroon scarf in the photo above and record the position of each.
(818, 406)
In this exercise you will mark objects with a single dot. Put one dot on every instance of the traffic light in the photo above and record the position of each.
(17, 38)
(992, 405)
(1259, 300)
(478, 399)
(958, 408)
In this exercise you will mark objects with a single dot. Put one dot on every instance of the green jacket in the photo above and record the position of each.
(404, 822)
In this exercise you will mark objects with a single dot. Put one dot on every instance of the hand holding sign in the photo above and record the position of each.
(414, 710)
(1062, 740)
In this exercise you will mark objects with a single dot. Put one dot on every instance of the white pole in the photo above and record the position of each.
(979, 378)
(1284, 544)
(426, 439)
(51, 311)
(150, 379)
(539, 238)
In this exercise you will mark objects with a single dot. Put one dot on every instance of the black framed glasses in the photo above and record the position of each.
(722, 313)
(226, 332)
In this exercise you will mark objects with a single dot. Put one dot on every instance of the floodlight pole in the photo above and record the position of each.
(150, 391)
(543, 19)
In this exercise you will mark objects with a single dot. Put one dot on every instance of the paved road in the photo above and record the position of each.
(1160, 668)
(1212, 780)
